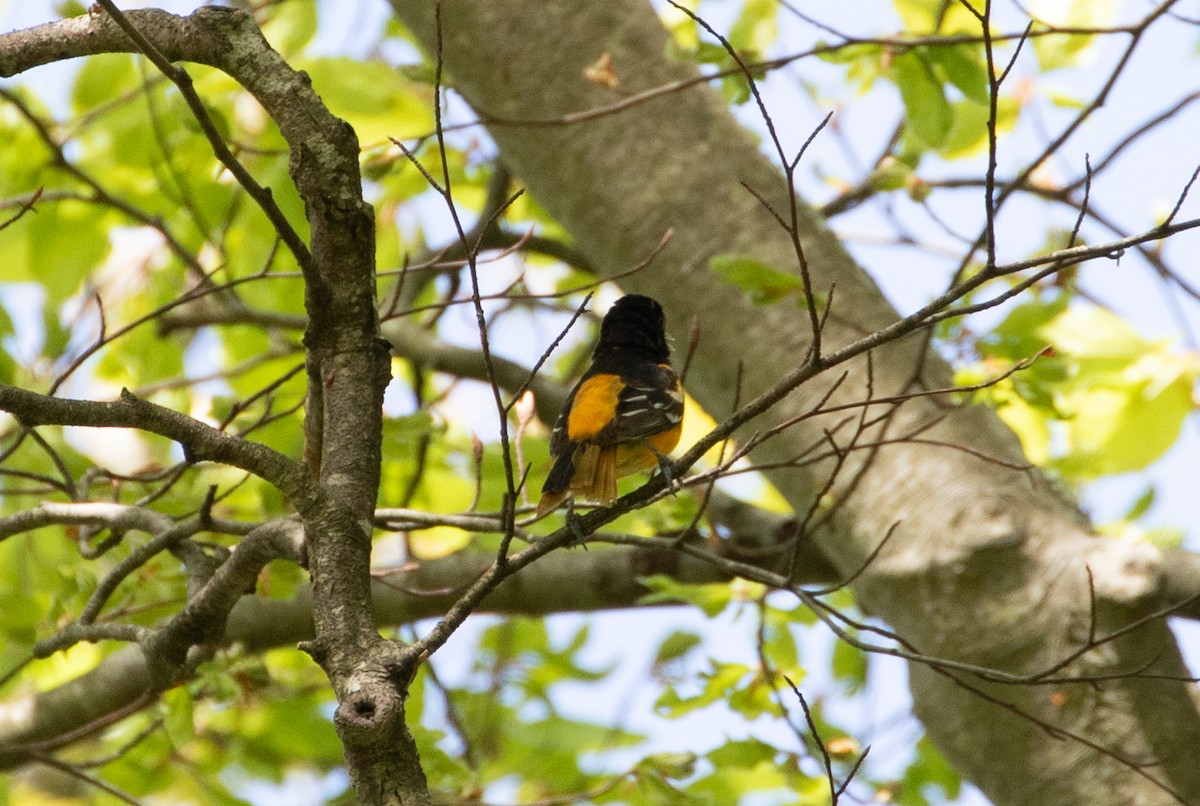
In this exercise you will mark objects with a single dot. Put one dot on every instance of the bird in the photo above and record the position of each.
(624, 415)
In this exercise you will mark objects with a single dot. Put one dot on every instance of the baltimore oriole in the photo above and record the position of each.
(624, 415)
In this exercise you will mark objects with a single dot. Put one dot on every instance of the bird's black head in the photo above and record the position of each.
(634, 324)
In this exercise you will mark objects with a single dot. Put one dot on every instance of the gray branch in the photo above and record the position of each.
(200, 441)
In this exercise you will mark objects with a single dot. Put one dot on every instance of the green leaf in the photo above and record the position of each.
(371, 96)
(648, 788)
(403, 433)
(757, 27)
(968, 134)
(159, 359)
(436, 542)
(1017, 336)
(70, 8)
(444, 772)
(742, 753)
(711, 598)
(724, 683)
(291, 26)
(764, 283)
(685, 33)
(1055, 51)
(930, 768)
(179, 720)
(1132, 421)
(964, 67)
(23, 161)
(101, 79)
(1122, 399)
(779, 644)
(1142, 505)
(712, 53)
(937, 16)
(669, 765)
(1164, 537)
(8, 367)
(891, 174)
(736, 88)
(1042, 384)
(744, 767)
(864, 63)
(754, 699)
(422, 72)
(850, 54)
(675, 646)
(1090, 332)
(1062, 98)
(850, 666)
(61, 263)
(929, 114)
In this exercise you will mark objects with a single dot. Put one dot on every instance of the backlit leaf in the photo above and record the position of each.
(1066, 50)
(927, 111)
(765, 284)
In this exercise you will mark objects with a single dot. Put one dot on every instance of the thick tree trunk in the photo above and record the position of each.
(988, 566)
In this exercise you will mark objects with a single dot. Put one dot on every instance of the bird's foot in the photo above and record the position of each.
(575, 524)
(664, 467)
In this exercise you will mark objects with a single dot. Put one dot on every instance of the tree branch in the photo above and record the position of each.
(200, 442)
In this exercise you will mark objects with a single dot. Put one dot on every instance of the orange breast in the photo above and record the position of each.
(594, 405)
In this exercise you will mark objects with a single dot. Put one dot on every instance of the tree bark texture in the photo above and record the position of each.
(988, 565)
